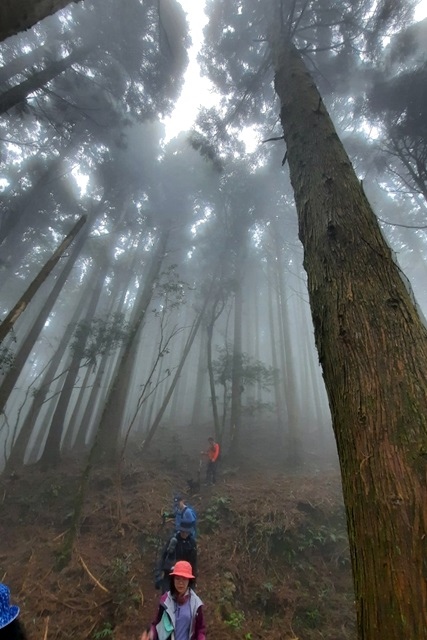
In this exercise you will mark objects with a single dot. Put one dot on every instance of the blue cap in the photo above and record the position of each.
(8, 613)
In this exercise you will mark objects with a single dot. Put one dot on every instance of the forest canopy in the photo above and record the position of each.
(153, 283)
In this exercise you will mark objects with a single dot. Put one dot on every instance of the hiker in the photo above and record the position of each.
(181, 546)
(213, 455)
(180, 507)
(184, 511)
(180, 612)
(11, 627)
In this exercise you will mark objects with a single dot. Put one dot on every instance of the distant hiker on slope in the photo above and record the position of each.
(181, 546)
(10, 626)
(180, 612)
(183, 511)
(180, 507)
(213, 455)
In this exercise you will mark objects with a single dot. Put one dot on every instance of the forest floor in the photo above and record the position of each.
(272, 546)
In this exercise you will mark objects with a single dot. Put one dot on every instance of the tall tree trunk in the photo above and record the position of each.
(112, 416)
(22, 62)
(28, 295)
(19, 15)
(13, 96)
(373, 350)
(294, 445)
(17, 212)
(106, 366)
(86, 410)
(278, 389)
(217, 424)
(200, 388)
(25, 349)
(16, 457)
(52, 452)
(236, 380)
(193, 332)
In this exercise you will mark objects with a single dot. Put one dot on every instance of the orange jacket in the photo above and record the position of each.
(213, 452)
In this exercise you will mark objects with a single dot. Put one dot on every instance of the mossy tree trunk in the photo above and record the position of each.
(373, 350)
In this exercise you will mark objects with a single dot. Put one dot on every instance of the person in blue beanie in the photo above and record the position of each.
(11, 627)
(184, 513)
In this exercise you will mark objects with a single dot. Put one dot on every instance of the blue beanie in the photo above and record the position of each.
(8, 613)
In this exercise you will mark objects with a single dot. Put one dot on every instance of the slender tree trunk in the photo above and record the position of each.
(214, 402)
(52, 451)
(26, 298)
(112, 416)
(16, 457)
(74, 427)
(278, 390)
(236, 380)
(175, 379)
(372, 347)
(294, 445)
(25, 349)
(38, 437)
(200, 383)
(18, 210)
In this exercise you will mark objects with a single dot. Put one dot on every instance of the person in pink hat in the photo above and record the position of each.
(180, 612)
(10, 625)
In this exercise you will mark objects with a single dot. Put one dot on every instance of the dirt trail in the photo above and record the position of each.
(273, 552)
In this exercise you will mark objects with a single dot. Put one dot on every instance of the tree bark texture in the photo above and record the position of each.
(373, 350)
(19, 15)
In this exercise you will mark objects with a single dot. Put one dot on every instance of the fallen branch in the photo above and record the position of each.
(271, 139)
(46, 629)
(101, 586)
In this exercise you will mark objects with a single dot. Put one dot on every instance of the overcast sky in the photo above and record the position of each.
(196, 91)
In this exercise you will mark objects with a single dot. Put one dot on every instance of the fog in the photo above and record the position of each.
(181, 306)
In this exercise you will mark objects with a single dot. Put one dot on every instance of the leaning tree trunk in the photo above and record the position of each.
(17, 94)
(373, 350)
(19, 15)
(27, 345)
(35, 285)
(25, 208)
(19, 447)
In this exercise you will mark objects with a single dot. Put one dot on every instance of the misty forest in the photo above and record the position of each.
(258, 277)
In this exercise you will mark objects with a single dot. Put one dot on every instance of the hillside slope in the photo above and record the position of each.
(273, 552)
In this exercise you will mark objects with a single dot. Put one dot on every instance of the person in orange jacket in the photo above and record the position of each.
(213, 456)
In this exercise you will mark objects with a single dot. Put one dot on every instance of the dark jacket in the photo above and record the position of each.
(183, 549)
